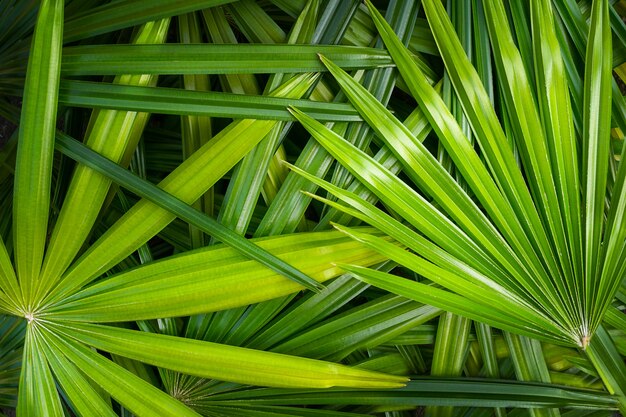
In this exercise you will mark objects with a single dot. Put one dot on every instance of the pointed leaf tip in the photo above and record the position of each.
(294, 111)
(341, 228)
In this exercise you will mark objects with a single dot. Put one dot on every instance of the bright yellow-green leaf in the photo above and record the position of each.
(228, 363)
(35, 149)
(111, 134)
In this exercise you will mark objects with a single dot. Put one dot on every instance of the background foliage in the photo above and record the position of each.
(312, 208)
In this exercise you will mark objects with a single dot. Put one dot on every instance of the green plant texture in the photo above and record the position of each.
(312, 208)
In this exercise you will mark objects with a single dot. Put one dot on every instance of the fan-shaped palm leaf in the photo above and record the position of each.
(518, 255)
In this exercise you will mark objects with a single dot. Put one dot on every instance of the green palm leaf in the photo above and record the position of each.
(126, 13)
(137, 395)
(529, 269)
(432, 391)
(214, 59)
(489, 170)
(404, 203)
(211, 360)
(35, 148)
(146, 292)
(596, 140)
(39, 396)
(198, 103)
(190, 181)
(114, 134)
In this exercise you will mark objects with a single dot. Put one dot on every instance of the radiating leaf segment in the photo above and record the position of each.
(525, 239)
(57, 347)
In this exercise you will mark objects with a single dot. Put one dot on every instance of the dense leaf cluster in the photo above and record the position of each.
(312, 208)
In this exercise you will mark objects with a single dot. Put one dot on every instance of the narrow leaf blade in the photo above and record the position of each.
(33, 167)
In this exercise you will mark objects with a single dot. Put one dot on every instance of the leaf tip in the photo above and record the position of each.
(338, 226)
(324, 60)
(295, 112)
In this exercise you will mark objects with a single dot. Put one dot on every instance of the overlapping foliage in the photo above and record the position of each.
(173, 243)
